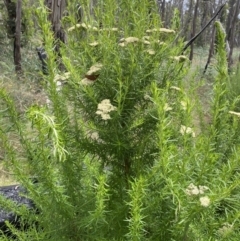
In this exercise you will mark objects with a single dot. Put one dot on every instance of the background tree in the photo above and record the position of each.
(56, 12)
(194, 25)
(232, 29)
(17, 38)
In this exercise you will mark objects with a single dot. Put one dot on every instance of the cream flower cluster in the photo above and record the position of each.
(193, 190)
(187, 130)
(104, 108)
(225, 229)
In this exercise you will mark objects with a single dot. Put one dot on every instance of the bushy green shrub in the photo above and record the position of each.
(115, 150)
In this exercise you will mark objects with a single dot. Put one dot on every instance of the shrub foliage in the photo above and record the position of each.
(117, 152)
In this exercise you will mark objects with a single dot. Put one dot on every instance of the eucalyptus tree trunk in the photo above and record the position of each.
(14, 29)
(56, 12)
(231, 32)
(188, 20)
(194, 27)
(229, 18)
(57, 9)
(17, 38)
(11, 16)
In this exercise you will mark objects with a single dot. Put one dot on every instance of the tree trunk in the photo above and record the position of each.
(17, 39)
(163, 9)
(194, 27)
(211, 49)
(187, 22)
(10, 23)
(57, 8)
(232, 31)
(229, 18)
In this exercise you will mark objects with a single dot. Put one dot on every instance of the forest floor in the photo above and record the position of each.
(28, 91)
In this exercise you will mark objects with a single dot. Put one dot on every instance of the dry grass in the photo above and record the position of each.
(6, 178)
(25, 91)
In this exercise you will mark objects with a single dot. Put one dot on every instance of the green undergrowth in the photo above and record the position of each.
(116, 149)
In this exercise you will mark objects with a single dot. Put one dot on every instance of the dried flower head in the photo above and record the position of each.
(205, 201)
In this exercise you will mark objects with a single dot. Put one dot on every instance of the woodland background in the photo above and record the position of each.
(194, 16)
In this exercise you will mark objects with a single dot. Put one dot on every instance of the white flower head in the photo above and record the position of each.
(167, 107)
(131, 40)
(122, 44)
(104, 108)
(161, 30)
(95, 69)
(180, 58)
(187, 130)
(184, 105)
(59, 86)
(146, 37)
(205, 201)
(94, 44)
(125, 41)
(146, 42)
(74, 27)
(192, 190)
(48, 102)
(105, 116)
(62, 77)
(93, 135)
(86, 81)
(225, 230)
(175, 88)
(234, 113)
(150, 51)
(147, 97)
